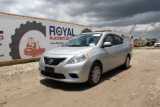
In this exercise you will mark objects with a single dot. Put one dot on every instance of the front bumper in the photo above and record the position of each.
(71, 73)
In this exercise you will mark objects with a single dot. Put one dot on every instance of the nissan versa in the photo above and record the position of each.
(85, 57)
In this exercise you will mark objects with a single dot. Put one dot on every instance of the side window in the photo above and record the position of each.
(118, 40)
(114, 39)
(109, 38)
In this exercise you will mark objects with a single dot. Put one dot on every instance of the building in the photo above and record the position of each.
(139, 42)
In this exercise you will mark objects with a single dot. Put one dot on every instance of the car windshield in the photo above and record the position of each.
(83, 40)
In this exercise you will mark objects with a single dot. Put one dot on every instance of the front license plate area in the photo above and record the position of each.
(49, 69)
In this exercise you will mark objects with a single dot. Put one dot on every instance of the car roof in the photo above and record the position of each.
(93, 32)
(109, 31)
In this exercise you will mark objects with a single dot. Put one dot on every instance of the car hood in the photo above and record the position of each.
(68, 50)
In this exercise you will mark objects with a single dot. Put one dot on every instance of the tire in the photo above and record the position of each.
(127, 63)
(16, 38)
(95, 74)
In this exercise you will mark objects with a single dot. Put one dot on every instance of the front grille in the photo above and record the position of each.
(53, 75)
(53, 61)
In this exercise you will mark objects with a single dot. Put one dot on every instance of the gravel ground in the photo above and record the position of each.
(139, 86)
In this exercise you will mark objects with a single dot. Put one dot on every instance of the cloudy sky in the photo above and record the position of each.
(101, 14)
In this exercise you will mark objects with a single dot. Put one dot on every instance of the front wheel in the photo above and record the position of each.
(127, 63)
(95, 74)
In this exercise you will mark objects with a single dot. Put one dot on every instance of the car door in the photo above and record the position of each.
(110, 57)
(120, 49)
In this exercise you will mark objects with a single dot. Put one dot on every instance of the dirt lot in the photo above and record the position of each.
(139, 86)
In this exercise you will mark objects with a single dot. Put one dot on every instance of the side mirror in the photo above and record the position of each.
(92, 44)
(107, 44)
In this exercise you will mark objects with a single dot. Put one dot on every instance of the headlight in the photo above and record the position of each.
(78, 58)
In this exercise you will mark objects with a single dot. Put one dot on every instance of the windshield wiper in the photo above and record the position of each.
(74, 45)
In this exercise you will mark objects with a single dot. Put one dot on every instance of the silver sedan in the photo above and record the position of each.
(85, 57)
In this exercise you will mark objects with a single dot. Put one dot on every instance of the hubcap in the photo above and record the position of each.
(96, 74)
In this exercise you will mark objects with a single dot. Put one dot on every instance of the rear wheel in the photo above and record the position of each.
(95, 74)
(127, 63)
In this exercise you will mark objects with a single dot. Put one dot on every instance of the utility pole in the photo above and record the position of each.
(151, 24)
(132, 29)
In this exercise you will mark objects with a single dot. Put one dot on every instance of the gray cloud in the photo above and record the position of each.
(97, 13)
(4, 4)
(144, 18)
(107, 10)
